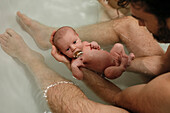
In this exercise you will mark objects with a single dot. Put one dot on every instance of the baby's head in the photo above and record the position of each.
(67, 41)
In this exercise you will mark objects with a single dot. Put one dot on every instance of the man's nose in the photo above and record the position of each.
(141, 23)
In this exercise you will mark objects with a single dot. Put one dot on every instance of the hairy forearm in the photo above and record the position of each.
(102, 87)
(152, 65)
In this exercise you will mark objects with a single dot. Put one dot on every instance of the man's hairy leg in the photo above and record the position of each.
(13, 44)
(39, 32)
(72, 100)
(126, 30)
(111, 11)
(62, 98)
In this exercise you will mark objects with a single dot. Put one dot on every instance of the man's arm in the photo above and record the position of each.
(102, 87)
(147, 98)
(75, 68)
(151, 65)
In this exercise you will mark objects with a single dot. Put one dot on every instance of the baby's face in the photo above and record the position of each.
(69, 44)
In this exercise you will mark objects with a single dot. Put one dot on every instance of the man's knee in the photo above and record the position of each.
(68, 98)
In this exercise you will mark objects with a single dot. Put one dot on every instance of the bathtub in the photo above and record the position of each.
(19, 92)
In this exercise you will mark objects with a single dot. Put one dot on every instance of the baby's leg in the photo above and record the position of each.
(40, 33)
(119, 49)
(113, 72)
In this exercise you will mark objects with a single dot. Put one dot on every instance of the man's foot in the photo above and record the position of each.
(111, 11)
(40, 33)
(14, 45)
(104, 3)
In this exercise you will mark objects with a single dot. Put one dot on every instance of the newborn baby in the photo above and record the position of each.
(89, 55)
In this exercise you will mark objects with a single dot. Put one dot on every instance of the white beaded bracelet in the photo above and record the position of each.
(52, 85)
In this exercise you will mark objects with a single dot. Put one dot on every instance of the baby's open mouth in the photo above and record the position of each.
(78, 54)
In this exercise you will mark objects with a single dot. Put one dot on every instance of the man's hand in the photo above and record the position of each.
(59, 57)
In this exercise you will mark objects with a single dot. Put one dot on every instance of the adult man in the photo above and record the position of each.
(154, 96)
(61, 97)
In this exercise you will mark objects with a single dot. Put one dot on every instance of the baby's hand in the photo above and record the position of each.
(94, 45)
(59, 57)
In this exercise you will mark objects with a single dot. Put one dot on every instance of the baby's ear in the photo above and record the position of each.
(52, 37)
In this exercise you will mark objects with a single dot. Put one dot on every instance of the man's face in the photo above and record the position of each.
(161, 33)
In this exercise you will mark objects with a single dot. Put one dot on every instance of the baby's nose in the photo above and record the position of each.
(73, 47)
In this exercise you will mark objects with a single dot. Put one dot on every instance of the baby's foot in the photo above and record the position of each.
(130, 58)
(14, 45)
(40, 33)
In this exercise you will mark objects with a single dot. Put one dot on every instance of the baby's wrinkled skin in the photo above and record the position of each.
(112, 64)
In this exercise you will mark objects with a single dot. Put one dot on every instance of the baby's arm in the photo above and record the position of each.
(75, 68)
(93, 45)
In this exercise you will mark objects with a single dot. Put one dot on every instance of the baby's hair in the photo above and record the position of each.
(61, 32)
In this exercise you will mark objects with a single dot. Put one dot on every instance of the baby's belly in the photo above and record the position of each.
(98, 60)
